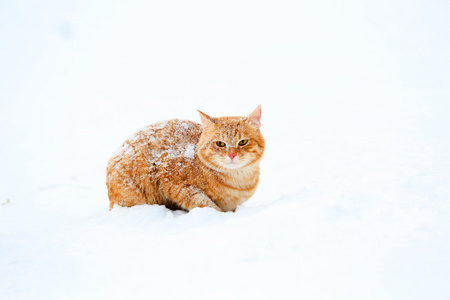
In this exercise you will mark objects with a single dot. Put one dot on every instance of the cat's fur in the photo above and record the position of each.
(179, 164)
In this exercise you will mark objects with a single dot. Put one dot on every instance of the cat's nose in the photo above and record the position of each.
(232, 152)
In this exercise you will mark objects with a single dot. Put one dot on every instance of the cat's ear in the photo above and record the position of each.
(206, 120)
(255, 117)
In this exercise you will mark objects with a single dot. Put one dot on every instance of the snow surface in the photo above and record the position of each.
(354, 196)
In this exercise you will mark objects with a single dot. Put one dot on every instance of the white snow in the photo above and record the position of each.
(190, 151)
(354, 196)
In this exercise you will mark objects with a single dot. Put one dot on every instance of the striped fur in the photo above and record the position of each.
(179, 164)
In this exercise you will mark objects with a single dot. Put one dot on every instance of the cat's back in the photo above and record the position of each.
(132, 171)
(174, 137)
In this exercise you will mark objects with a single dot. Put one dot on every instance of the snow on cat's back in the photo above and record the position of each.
(183, 165)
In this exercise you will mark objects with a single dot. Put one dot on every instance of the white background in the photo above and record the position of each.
(353, 201)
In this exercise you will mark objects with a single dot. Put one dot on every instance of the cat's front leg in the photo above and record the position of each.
(189, 197)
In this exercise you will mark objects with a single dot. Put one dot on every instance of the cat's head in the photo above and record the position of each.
(231, 143)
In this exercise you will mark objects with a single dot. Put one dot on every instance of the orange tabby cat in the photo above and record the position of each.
(183, 165)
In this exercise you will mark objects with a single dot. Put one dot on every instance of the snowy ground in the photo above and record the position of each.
(354, 200)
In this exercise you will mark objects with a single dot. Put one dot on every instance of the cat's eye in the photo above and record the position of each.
(243, 142)
(220, 144)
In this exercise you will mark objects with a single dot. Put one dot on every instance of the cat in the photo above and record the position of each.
(184, 165)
